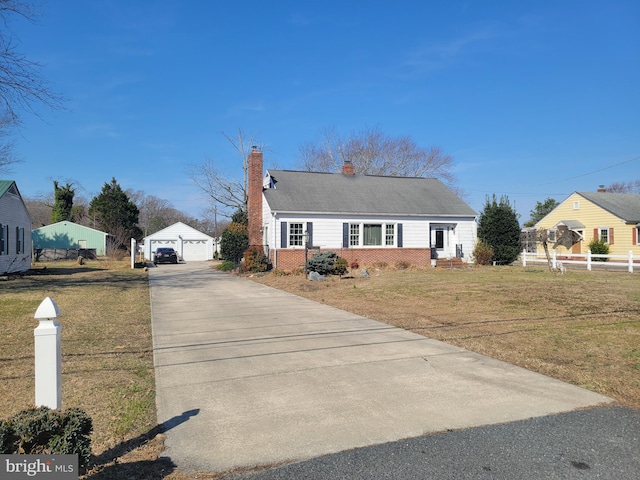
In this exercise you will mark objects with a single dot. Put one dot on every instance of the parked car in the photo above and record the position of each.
(165, 255)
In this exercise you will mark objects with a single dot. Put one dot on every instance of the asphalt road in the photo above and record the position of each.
(599, 443)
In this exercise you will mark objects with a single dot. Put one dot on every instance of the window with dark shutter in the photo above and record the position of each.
(345, 235)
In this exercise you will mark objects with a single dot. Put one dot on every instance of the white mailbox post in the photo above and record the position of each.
(48, 356)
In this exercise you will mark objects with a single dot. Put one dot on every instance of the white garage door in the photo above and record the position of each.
(155, 244)
(194, 250)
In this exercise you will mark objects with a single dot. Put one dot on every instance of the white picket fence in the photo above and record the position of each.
(579, 259)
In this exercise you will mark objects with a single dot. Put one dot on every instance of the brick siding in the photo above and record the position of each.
(290, 259)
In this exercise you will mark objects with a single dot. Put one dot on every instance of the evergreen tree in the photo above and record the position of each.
(62, 203)
(541, 210)
(111, 211)
(499, 228)
(235, 238)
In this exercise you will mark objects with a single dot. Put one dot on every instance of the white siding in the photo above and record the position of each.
(327, 231)
(14, 214)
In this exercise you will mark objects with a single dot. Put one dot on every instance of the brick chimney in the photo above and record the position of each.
(254, 196)
(347, 168)
(601, 189)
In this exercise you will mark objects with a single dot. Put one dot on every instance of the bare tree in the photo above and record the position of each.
(156, 213)
(21, 85)
(227, 191)
(374, 153)
(7, 152)
(624, 187)
(39, 210)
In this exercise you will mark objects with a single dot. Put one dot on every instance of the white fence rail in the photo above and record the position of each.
(580, 259)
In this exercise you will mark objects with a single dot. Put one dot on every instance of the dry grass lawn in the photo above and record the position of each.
(583, 328)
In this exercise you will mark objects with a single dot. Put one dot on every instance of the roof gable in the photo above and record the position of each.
(336, 193)
(178, 228)
(8, 186)
(67, 223)
(623, 205)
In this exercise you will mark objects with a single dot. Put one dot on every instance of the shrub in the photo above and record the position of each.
(235, 238)
(226, 266)
(483, 253)
(402, 264)
(599, 247)
(327, 263)
(340, 266)
(255, 260)
(380, 265)
(322, 262)
(234, 241)
(45, 431)
(354, 265)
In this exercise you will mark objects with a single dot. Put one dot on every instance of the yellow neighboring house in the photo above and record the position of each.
(613, 217)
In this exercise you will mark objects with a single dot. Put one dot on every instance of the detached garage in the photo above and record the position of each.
(191, 244)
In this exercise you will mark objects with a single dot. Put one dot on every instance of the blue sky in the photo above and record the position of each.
(532, 99)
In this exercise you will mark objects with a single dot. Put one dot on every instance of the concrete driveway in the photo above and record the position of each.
(247, 375)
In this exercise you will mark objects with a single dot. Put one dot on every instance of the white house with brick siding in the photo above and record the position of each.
(15, 230)
(362, 218)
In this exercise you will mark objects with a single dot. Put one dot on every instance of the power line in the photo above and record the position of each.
(558, 181)
(589, 173)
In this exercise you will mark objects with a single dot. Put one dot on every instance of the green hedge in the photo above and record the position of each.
(42, 431)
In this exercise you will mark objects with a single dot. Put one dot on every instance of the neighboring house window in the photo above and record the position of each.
(296, 234)
(576, 205)
(19, 240)
(372, 235)
(604, 235)
(390, 235)
(637, 236)
(551, 236)
(354, 235)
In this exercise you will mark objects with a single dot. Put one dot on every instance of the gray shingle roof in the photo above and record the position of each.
(336, 193)
(623, 205)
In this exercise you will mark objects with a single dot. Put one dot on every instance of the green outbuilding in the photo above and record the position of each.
(64, 239)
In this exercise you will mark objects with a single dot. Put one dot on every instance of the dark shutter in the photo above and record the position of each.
(283, 234)
(611, 236)
(345, 235)
(595, 234)
(310, 232)
(400, 235)
(634, 234)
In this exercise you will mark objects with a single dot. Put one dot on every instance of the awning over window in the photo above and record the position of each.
(567, 233)
(570, 224)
